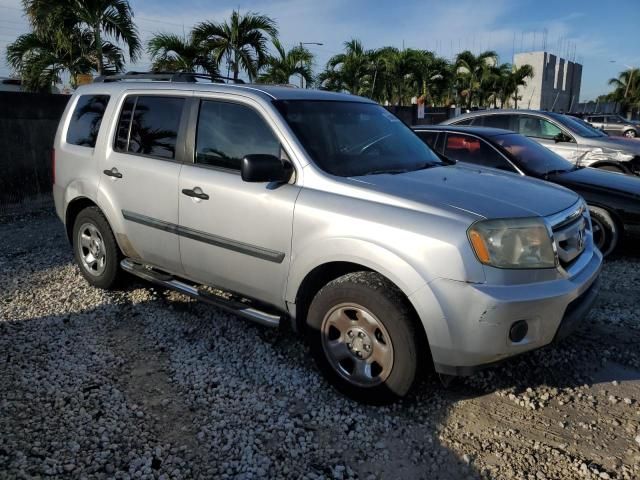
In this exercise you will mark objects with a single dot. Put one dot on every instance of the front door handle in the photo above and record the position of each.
(113, 173)
(195, 192)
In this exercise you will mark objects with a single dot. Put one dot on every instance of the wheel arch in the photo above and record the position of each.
(611, 163)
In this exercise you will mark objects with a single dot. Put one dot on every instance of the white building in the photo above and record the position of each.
(555, 85)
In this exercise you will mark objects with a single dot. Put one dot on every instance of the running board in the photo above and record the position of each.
(168, 281)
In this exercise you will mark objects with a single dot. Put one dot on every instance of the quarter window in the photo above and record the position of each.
(227, 132)
(86, 119)
(148, 125)
(468, 149)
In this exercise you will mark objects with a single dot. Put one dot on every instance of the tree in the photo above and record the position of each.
(348, 71)
(40, 62)
(515, 79)
(92, 21)
(286, 64)
(241, 41)
(471, 70)
(626, 88)
(172, 53)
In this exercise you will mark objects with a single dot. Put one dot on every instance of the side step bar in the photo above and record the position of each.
(168, 281)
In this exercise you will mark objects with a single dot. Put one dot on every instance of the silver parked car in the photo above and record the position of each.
(570, 137)
(614, 124)
(323, 211)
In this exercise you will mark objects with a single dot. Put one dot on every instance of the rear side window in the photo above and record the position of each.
(86, 119)
(149, 125)
(466, 121)
(227, 132)
(496, 121)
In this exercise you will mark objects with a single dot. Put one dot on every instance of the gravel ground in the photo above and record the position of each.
(145, 383)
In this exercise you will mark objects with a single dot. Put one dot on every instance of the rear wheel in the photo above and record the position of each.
(95, 249)
(362, 336)
(606, 232)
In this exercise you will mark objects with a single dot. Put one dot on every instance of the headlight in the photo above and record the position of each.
(513, 243)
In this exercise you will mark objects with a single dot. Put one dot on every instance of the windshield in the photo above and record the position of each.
(532, 157)
(579, 126)
(354, 138)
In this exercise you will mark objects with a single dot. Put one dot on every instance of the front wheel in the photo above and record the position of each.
(95, 249)
(606, 232)
(362, 335)
(630, 134)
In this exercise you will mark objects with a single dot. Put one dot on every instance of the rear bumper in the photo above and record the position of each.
(472, 330)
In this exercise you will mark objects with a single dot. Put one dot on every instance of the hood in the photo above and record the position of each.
(587, 177)
(628, 145)
(485, 192)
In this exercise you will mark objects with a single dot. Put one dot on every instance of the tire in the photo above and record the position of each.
(98, 245)
(606, 232)
(362, 335)
(630, 134)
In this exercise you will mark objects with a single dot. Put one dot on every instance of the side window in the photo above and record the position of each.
(148, 125)
(596, 119)
(428, 137)
(465, 148)
(496, 121)
(227, 132)
(537, 127)
(86, 119)
(466, 121)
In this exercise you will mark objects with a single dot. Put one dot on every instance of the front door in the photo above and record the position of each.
(235, 234)
(139, 177)
(548, 134)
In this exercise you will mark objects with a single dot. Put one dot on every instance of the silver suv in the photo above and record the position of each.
(614, 124)
(324, 212)
(569, 137)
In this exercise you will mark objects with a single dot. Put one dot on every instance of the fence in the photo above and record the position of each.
(28, 123)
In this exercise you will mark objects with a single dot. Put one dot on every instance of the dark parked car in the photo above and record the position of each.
(570, 137)
(613, 198)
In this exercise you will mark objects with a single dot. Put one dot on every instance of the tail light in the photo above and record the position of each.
(53, 166)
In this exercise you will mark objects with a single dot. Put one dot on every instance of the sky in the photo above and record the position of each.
(603, 36)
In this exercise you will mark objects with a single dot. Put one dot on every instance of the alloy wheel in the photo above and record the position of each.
(92, 249)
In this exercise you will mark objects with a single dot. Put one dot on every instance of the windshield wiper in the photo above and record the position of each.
(396, 171)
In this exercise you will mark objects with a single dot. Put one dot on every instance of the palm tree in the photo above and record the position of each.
(172, 53)
(40, 62)
(626, 88)
(98, 20)
(471, 70)
(241, 42)
(286, 64)
(348, 71)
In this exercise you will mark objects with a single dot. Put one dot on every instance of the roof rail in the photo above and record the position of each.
(185, 77)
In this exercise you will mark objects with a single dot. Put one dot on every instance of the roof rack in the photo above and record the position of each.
(184, 77)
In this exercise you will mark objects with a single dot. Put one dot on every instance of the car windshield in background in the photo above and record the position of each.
(353, 138)
(578, 126)
(532, 156)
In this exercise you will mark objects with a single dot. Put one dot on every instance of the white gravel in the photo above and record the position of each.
(143, 383)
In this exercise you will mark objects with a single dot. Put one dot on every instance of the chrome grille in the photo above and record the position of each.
(570, 235)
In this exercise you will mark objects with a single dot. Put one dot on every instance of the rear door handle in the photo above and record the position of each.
(113, 173)
(195, 192)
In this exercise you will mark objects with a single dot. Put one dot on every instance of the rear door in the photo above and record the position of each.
(470, 149)
(140, 172)
(237, 235)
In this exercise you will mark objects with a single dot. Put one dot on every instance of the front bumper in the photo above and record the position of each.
(469, 327)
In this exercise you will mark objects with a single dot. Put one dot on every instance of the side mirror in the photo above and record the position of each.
(260, 168)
